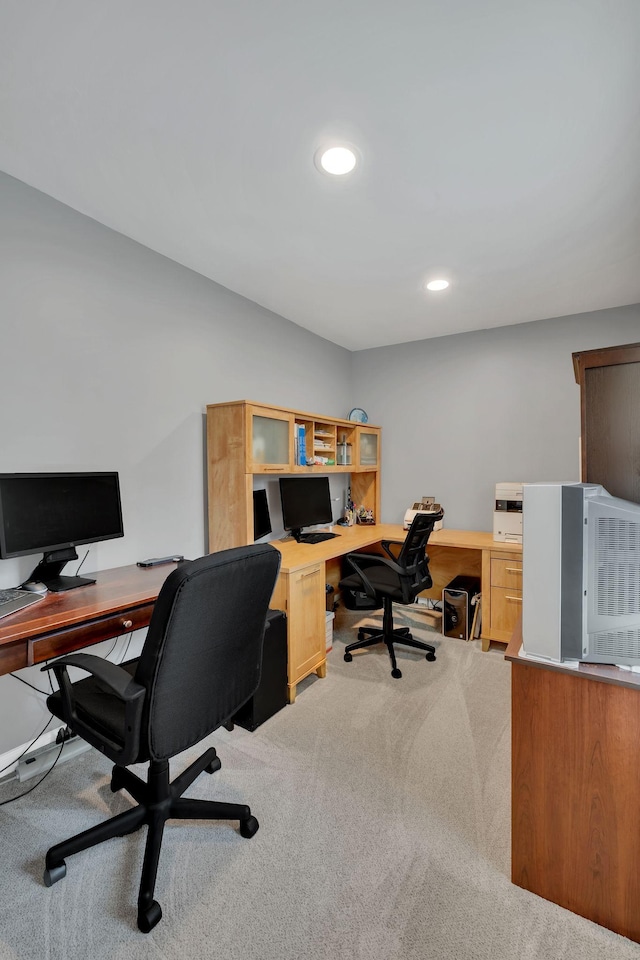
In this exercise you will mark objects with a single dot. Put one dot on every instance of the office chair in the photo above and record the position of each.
(200, 662)
(395, 578)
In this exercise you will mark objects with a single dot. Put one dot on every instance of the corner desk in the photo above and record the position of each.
(122, 598)
(575, 787)
(306, 568)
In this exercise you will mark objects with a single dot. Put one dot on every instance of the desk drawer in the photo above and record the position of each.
(506, 573)
(85, 634)
(506, 607)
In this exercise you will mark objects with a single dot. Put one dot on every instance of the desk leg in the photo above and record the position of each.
(485, 601)
(320, 671)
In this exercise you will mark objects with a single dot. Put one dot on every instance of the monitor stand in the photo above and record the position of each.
(49, 568)
(314, 536)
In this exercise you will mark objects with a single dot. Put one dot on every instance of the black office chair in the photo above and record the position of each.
(395, 578)
(200, 662)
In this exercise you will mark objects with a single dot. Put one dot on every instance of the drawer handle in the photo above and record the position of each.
(513, 569)
(313, 573)
(127, 624)
(517, 599)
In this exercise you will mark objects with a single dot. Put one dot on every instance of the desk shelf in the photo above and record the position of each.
(246, 439)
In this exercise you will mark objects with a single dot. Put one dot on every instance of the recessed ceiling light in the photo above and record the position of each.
(336, 160)
(437, 285)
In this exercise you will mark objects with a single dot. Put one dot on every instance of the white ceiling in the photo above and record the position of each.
(500, 144)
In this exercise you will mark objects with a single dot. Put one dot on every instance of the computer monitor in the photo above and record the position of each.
(305, 501)
(261, 516)
(52, 513)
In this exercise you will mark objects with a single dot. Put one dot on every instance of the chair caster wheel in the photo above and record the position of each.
(53, 874)
(430, 656)
(396, 674)
(348, 658)
(215, 764)
(147, 919)
(249, 827)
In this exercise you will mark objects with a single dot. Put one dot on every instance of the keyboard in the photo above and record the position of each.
(15, 599)
(317, 537)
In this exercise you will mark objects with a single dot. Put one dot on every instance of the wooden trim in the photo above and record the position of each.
(604, 357)
(300, 414)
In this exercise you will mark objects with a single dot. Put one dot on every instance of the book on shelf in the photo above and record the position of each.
(300, 445)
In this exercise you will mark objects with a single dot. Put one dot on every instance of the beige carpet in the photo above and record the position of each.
(384, 811)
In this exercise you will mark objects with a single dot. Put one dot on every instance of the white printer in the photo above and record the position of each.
(507, 514)
(426, 505)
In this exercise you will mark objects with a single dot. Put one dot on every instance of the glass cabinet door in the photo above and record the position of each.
(368, 453)
(270, 442)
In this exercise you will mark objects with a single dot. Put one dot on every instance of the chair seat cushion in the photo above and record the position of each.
(381, 578)
(96, 707)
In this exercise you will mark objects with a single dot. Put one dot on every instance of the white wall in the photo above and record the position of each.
(461, 413)
(110, 354)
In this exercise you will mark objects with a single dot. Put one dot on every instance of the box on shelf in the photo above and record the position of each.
(329, 630)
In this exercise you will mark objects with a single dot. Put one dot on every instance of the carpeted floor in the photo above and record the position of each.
(384, 811)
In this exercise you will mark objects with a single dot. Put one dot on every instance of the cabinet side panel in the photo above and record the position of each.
(230, 505)
(364, 492)
(575, 784)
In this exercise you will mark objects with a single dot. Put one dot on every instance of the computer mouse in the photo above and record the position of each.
(34, 586)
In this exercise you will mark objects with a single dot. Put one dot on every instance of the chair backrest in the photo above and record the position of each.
(202, 656)
(413, 556)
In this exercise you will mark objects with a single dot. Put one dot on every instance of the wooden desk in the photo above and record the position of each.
(121, 600)
(307, 568)
(499, 566)
(576, 788)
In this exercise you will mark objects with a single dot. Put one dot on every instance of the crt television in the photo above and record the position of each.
(52, 513)
(305, 501)
(581, 574)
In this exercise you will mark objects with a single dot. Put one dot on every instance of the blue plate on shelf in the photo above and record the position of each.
(359, 415)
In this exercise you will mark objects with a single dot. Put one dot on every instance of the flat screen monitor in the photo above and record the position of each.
(52, 513)
(261, 516)
(305, 501)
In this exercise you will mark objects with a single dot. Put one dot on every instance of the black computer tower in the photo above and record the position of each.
(271, 694)
(457, 610)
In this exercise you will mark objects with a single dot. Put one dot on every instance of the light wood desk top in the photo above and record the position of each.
(295, 556)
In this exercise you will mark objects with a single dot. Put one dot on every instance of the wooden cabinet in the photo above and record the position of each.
(609, 381)
(501, 591)
(245, 439)
(505, 604)
(301, 594)
(269, 440)
(575, 782)
(367, 448)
